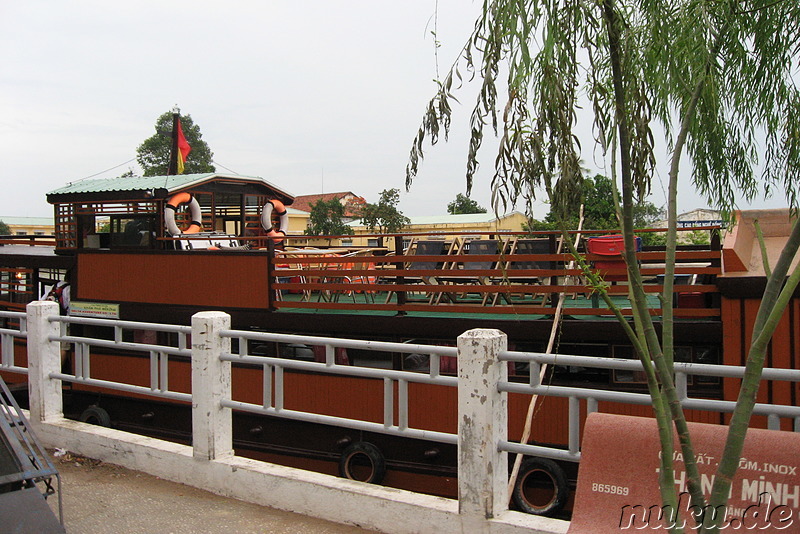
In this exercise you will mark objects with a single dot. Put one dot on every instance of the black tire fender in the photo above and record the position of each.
(95, 415)
(541, 487)
(364, 462)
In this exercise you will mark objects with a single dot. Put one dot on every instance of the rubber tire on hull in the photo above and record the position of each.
(551, 478)
(363, 456)
(95, 415)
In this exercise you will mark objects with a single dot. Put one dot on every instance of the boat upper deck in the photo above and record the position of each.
(513, 275)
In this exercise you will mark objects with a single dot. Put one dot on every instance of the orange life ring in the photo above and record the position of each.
(173, 203)
(266, 219)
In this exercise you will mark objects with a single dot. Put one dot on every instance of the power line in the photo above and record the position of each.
(101, 172)
(224, 167)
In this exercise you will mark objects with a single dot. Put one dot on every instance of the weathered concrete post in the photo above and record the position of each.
(44, 357)
(482, 424)
(211, 382)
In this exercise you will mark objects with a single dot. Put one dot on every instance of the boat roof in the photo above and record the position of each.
(157, 187)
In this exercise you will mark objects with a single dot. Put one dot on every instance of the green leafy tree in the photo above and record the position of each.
(154, 153)
(717, 77)
(384, 217)
(326, 219)
(4, 229)
(599, 209)
(463, 204)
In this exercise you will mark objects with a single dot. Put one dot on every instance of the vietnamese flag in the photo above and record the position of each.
(183, 148)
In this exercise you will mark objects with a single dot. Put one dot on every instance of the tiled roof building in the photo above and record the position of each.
(347, 198)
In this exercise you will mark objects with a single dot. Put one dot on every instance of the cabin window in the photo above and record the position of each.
(709, 355)
(94, 331)
(16, 285)
(564, 374)
(290, 351)
(102, 224)
(697, 354)
(132, 231)
(147, 337)
(370, 358)
(5, 285)
(297, 351)
(294, 351)
(421, 363)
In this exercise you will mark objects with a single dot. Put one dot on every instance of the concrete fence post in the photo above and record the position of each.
(482, 424)
(211, 382)
(44, 357)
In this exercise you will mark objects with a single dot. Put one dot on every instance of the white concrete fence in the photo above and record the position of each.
(210, 463)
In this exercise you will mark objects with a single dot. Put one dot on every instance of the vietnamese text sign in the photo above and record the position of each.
(100, 310)
(618, 478)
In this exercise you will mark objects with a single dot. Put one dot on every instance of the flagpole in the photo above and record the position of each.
(173, 153)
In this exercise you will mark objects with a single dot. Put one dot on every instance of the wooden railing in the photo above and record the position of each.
(502, 283)
(28, 239)
(487, 274)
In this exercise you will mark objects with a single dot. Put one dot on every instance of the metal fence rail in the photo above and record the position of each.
(7, 337)
(159, 354)
(402, 378)
(592, 396)
(482, 387)
(273, 369)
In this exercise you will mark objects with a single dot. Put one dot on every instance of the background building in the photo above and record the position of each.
(348, 199)
(477, 224)
(30, 225)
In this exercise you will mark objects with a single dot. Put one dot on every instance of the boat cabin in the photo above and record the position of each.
(153, 212)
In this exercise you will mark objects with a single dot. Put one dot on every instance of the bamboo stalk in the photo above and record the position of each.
(526, 432)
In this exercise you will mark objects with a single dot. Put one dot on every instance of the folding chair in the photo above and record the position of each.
(520, 247)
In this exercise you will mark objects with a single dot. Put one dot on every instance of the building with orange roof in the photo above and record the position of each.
(348, 199)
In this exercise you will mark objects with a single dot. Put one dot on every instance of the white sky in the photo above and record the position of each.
(314, 96)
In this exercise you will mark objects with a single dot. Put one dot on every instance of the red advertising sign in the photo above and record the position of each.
(618, 479)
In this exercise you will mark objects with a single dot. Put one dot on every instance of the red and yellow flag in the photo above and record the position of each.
(183, 148)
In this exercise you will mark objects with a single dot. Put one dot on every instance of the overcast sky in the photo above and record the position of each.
(314, 96)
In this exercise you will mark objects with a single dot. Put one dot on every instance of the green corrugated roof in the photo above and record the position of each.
(127, 183)
(28, 221)
(462, 218)
(144, 183)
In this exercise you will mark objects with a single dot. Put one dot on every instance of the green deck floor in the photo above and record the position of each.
(356, 302)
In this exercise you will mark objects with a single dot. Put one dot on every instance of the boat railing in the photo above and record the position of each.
(503, 274)
(28, 239)
(520, 275)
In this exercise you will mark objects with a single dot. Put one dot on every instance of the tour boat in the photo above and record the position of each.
(160, 249)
